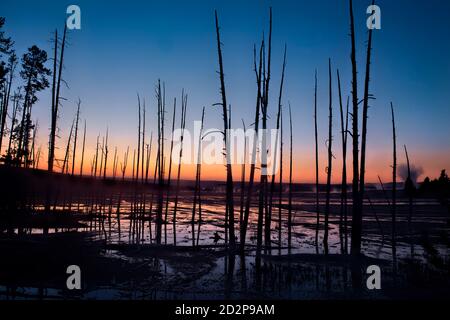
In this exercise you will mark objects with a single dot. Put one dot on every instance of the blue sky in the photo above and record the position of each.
(123, 47)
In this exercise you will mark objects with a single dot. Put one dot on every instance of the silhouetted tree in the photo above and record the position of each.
(229, 185)
(34, 73)
(56, 88)
(330, 160)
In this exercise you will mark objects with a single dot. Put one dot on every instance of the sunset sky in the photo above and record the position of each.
(124, 47)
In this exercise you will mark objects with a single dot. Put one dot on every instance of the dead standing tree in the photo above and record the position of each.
(356, 213)
(330, 161)
(255, 140)
(82, 149)
(170, 171)
(275, 157)
(362, 170)
(343, 209)
(56, 85)
(229, 185)
(358, 172)
(394, 189)
(76, 136)
(177, 189)
(197, 188)
(160, 94)
(317, 164)
(290, 182)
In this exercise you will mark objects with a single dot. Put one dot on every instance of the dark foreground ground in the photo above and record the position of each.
(85, 229)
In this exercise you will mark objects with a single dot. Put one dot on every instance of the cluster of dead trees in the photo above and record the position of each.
(22, 134)
(266, 188)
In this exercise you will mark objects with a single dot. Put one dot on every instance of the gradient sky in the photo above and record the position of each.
(125, 46)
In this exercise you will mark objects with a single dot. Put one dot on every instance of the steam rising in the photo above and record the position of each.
(416, 172)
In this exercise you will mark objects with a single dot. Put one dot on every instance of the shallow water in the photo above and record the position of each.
(227, 276)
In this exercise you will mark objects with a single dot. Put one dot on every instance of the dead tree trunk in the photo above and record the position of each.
(290, 183)
(255, 142)
(197, 179)
(143, 144)
(177, 189)
(363, 141)
(106, 150)
(82, 149)
(317, 164)
(170, 171)
(55, 97)
(76, 136)
(356, 212)
(66, 156)
(394, 188)
(330, 161)
(229, 186)
(275, 156)
(139, 138)
(343, 209)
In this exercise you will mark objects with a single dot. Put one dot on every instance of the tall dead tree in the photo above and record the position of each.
(82, 149)
(56, 96)
(114, 167)
(76, 136)
(160, 94)
(343, 208)
(149, 153)
(330, 159)
(243, 167)
(66, 154)
(356, 212)
(263, 211)
(143, 144)
(290, 182)
(106, 151)
(180, 157)
(255, 141)
(170, 170)
(280, 189)
(139, 139)
(96, 157)
(344, 202)
(275, 156)
(229, 185)
(317, 164)
(197, 190)
(362, 170)
(394, 187)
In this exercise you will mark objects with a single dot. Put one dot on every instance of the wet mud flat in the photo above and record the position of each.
(34, 267)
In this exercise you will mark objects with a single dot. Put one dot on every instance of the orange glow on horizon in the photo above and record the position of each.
(378, 164)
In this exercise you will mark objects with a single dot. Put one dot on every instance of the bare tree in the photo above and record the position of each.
(76, 136)
(356, 213)
(343, 209)
(330, 160)
(177, 190)
(170, 170)
(82, 149)
(275, 156)
(290, 182)
(55, 96)
(317, 164)
(197, 188)
(229, 186)
(255, 139)
(394, 187)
